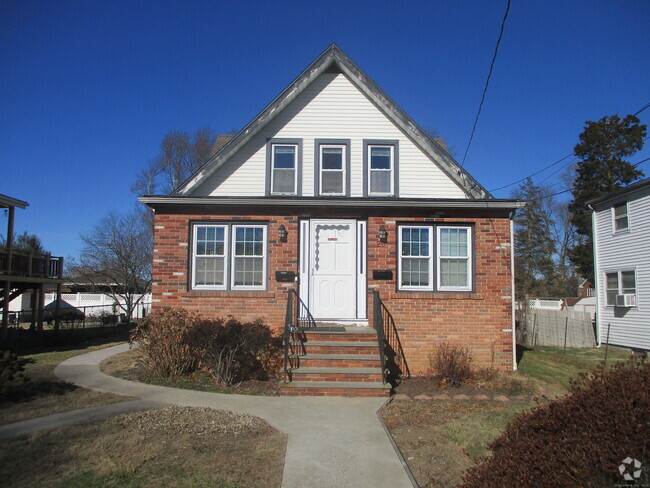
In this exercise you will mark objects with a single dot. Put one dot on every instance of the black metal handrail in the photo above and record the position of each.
(297, 317)
(393, 360)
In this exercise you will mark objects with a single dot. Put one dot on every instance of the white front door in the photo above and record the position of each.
(333, 269)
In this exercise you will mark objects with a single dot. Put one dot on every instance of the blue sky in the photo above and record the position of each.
(88, 89)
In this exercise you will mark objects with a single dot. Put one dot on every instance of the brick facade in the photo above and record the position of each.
(481, 319)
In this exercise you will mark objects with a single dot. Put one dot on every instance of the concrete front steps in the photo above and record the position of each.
(336, 362)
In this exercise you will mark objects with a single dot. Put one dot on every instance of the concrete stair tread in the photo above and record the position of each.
(360, 357)
(335, 370)
(338, 343)
(337, 384)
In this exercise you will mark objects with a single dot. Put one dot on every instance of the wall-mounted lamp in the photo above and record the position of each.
(282, 233)
(383, 234)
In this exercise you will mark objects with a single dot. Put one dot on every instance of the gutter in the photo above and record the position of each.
(320, 202)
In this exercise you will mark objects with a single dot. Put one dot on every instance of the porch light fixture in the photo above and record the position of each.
(383, 234)
(282, 233)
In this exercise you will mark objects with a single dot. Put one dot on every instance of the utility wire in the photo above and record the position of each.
(567, 156)
(487, 82)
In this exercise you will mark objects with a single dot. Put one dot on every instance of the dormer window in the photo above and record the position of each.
(284, 161)
(380, 168)
(333, 168)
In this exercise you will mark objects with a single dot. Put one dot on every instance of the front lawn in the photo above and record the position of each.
(174, 447)
(440, 440)
(45, 394)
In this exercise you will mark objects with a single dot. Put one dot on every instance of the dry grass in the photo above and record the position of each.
(175, 447)
(45, 394)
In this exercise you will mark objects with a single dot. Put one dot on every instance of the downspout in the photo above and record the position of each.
(512, 289)
(596, 276)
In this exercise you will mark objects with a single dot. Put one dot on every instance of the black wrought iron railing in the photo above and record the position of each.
(393, 361)
(297, 317)
(29, 265)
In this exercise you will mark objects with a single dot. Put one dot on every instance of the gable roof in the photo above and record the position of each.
(333, 59)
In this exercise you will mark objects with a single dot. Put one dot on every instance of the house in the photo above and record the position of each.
(621, 233)
(334, 192)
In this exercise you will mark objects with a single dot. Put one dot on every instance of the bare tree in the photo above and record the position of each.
(117, 255)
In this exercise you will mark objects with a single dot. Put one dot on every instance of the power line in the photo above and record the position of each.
(487, 82)
(567, 156)
(536, 173)
(642, 161)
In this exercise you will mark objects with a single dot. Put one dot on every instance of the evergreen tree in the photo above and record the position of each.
(534, 244)
(602, 169)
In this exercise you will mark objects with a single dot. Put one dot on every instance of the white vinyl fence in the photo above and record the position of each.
(550, 327)
(96, 304)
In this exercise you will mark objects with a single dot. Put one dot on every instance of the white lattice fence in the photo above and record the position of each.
(96, 304)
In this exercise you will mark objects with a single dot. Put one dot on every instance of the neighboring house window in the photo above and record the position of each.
(284, 166)
(234, 251)
(452, 256)
(332, 167)
(416, 263)
(380, 170)
(284, 173)
(619, 283)
(454, 259)
(380, 163)
(332, 176)
(621, 220)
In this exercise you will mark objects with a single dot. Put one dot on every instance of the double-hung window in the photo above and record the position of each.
(415, 263)
(450, 255)
(621, 220)
(332, 169)
(380, 170)
(619, 283)
(284, 171)
(454, 262)
(229, 257)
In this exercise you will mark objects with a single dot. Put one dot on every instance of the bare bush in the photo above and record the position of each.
(451, 364)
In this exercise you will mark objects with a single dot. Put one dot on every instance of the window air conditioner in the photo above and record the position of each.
(627, 300)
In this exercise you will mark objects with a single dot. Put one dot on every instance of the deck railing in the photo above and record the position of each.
(393, 360)
(27, 265)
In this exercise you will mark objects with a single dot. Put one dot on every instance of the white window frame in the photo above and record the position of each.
(233, 257)
(400, 230)
(295, 168)
(343, 169)
(626, 217)
(391, 170)
(195, 231)
(619, 285)
(229, 257)
(440, 257)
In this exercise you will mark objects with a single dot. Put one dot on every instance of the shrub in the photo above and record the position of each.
(235, 351)
(164, 338)
(578, 440)
(451, 364)
(175, 342)
(12, 370)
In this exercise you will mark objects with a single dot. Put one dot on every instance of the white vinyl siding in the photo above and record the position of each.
(235, 251)
(330, 108)
(624, 251)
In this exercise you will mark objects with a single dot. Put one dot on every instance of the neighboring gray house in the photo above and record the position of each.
(621, 234)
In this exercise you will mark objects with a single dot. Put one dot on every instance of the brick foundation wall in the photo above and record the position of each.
(481, 320)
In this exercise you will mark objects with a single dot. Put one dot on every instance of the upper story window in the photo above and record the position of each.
(621, 220)
(229, 257)
(284, 166)
(380, 168)
(332, 168)
(451, 257)
(619, 283)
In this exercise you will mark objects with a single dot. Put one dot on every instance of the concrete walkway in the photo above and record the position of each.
(333, 442)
